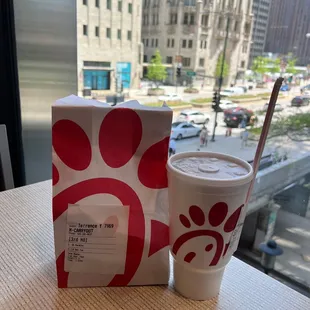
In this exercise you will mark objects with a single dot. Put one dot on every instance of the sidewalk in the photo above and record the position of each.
(292, 233)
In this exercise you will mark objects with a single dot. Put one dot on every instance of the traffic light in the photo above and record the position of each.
(178, 72)
(216, 101)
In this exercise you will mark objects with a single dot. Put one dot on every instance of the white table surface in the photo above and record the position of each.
(28, 276)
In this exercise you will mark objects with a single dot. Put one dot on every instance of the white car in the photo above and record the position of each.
(278, 107)
(170, 97)
(193, 116)
(232, 91)
(227, 104)
(180, 130)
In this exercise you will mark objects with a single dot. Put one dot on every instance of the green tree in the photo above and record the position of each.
(290, 68)
(156, 71)
(219, 67)
(274, 65)
(260, 65)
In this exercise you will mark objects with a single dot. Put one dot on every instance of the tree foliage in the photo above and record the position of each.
(260, 65)
(219, 67)
(156, 71)
(290, 68)
(296, 127)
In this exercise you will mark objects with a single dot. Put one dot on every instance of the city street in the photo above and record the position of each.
(233, 143)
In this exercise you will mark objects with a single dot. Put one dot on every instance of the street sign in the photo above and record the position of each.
(191, 73)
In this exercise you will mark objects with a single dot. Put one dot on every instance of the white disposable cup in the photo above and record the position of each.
(205, 218)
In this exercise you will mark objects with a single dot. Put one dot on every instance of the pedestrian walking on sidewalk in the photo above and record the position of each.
(172, 147)
(203, 136)
(228, 131)
(244, 138)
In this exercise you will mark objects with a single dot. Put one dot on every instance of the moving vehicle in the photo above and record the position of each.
(278, 107)
(284, 87)
(233, 117)
(227, 104)
(180, 130)
(170, 97)
(299, 101)
(232, 91)
(193, 116)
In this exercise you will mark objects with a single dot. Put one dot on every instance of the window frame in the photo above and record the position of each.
(108, 33)
(97, 31)
(85, 30)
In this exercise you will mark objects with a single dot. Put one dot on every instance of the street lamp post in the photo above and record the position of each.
(221, 75)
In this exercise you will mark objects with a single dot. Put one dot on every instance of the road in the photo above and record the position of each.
(232, 144)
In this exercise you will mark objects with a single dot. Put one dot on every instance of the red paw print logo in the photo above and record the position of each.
(120, 135)
(215, 218)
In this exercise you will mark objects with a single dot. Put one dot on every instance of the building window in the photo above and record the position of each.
(183, 43)
(157, 19)
(97, 79)
(154, 19)
(144, 58)
(205, 46)
(247, 28)
(204, 20)
(168, 43)
(129, 35)
(172, 42)
(108, 33)
(201, 62)
(220, 23)
(169, 60)
(173, 19)
(97, 31)
(146, 19)
(190, 43)
(242, 64)
(186, 62)
(119, 34)
(97, 3)
(85, 2)
(88, 63)
(236, 26)
(156, 42)
(119, 6)
(192, 19)
(185, 19)
(152, 45)
(130, 8)
(244, 48)
(147, 42)
(201, 44)
(109, 4)
(85, 30)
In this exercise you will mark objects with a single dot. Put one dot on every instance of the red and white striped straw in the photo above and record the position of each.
(265, 130)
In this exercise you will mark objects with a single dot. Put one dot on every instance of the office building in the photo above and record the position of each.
(109, 45)
(196, 31)
(289, 23)
(260, 11)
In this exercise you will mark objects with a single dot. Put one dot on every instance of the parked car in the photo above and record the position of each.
(180, 130)
(193, 116)
(305, 89)
(285, 87)
(299, 101)
(231, 91)
(170, 97)
(278, 107)
(227, 104)
(233, 117)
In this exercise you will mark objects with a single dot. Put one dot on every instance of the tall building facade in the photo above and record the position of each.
(109, 48)
(289, 23)
(196, 30)
(260, 11)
